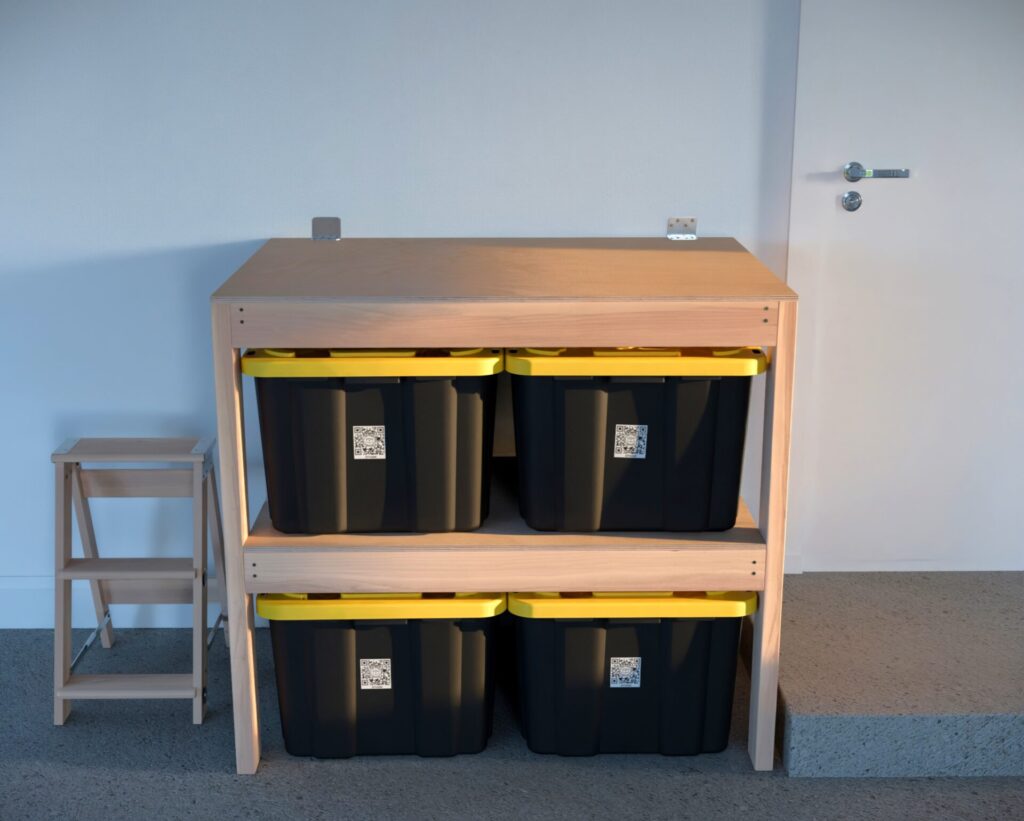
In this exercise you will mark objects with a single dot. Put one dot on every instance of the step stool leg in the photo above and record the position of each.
(199, 546)
(62, 593)
(87, 534)
(217, 540)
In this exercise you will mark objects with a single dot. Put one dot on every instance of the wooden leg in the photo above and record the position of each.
(62, 593)
(764, 687)
(87, 534)
(217, 539)
(198, 594)
(231, 443)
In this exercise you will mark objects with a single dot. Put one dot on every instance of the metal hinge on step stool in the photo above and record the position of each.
(90, 640)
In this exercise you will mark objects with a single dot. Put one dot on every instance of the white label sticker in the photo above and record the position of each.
(625, 671)
(368, 442)
(374, 674)
(631, 441)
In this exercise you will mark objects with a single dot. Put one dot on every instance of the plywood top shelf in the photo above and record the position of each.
(565, 269)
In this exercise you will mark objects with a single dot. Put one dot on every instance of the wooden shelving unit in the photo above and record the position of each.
(394, 293)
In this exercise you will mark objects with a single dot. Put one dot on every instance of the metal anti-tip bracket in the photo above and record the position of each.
(682, 228)
(327, 228)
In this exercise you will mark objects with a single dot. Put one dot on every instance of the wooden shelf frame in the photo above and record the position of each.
(504, 555)
(504, 293)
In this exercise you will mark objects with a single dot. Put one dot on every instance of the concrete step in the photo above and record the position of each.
(903, 674)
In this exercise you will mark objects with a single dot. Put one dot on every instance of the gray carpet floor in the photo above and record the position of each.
(145, 760)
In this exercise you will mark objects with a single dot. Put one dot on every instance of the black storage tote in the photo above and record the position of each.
(627, 672)
(371, 441)
(631, 439)
(383, 674)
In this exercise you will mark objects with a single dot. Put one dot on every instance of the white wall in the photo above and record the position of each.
(147, 148)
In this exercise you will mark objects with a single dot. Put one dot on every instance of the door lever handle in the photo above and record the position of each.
(854, 171)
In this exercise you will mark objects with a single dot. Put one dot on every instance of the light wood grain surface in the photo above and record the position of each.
(715, 268)
(129, 685)
(123, 569)
(496, 570)
(235, 509)
(87, 536)
(130, 450)
(199, 593)
(523, 323)
(216, 588)
(505, 554)
(149, 591)
(62, 591)
(764, 668)
(138, 483)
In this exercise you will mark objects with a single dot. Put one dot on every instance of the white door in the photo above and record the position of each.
(908, 449)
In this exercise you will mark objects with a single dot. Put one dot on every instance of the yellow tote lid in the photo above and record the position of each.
(361, 354)
(636, 362)
(271, 362)
(632, 605)
(351, 606)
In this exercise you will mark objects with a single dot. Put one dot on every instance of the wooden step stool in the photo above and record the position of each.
(135, 580)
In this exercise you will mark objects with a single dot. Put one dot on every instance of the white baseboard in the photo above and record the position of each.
(28, 603)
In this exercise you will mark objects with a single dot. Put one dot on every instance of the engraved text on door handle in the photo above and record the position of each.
(854, 171)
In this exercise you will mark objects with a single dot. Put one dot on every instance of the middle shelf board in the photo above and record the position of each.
(505, 554)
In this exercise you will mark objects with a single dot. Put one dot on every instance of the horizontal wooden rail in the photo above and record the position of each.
(136, 483)
(510, 324)
(485, 570)
(123, 569)
(154, 591)
(152, 685)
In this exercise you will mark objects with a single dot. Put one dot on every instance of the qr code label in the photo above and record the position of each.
(625, 671)
(368, 442)
(374, 674)
(631, 441)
